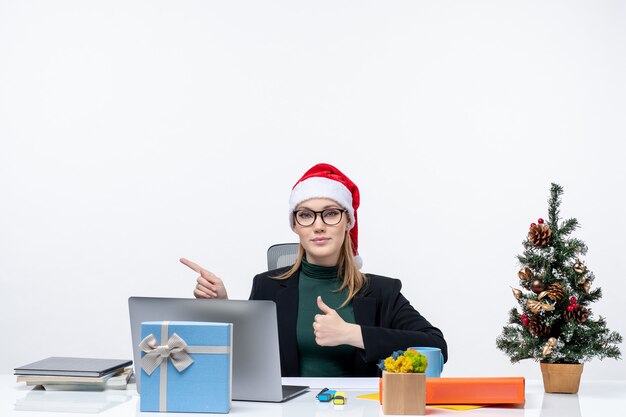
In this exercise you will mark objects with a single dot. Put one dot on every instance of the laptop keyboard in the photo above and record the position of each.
(290, 390)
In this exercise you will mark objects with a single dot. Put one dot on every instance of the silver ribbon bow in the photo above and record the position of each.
(175, 348)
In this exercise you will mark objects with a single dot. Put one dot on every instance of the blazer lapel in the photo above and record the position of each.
(287, 311)
(364, 315)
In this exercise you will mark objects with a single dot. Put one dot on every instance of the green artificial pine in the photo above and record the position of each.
(554, 322)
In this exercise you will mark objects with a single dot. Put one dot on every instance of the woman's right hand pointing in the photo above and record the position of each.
(208, 285)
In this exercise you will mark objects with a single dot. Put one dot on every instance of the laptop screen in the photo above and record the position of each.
(256, 356)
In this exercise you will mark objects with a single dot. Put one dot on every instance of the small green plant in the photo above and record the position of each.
(404, 361)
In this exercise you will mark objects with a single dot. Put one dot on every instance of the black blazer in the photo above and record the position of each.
(387, 319)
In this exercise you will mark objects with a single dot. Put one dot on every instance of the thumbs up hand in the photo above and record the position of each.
(331, 330)
(325, 309)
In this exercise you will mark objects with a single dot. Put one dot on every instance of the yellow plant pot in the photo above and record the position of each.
(561, 378)
(404, 393)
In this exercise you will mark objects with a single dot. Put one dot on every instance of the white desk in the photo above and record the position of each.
(595, 399)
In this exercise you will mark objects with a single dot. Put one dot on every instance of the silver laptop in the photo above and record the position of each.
(256, 358)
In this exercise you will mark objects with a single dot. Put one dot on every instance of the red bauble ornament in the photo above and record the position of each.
(572, 300)
(540, 220)
(570, 308)
(533, 225)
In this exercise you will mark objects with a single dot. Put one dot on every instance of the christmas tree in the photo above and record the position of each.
(554, 322)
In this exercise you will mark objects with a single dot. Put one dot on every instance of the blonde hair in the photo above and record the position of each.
(348, 271)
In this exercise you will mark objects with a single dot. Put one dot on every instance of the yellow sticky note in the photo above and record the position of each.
(373, 396)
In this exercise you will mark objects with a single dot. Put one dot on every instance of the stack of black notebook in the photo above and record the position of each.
(80, 374)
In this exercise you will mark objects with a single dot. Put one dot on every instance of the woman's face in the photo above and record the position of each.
(322, 242)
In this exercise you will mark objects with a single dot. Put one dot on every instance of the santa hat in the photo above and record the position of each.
(326, 181)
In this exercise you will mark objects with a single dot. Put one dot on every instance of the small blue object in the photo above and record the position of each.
(326, 395)
(395, 355)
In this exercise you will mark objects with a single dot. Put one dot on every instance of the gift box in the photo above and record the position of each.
(186, 366)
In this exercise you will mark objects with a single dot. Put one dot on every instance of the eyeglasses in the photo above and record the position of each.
(330, 217)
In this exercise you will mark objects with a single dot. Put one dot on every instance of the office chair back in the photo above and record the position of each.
(281, 254)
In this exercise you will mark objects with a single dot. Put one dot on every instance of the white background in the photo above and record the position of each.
(136, 132)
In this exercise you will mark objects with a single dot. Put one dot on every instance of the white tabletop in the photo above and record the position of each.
(595, 398)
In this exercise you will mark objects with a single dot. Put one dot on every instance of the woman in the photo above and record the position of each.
(333, 320)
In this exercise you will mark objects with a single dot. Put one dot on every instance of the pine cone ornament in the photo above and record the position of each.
(555, 291)
(539, 234)
(580, 314)
(537, 326)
